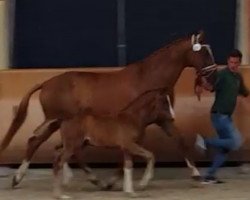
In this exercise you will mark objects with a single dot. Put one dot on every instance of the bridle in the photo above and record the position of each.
(196, 46)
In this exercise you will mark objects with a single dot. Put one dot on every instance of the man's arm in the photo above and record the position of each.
(243, 90)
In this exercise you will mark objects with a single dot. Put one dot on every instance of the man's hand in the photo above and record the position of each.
(245, 101)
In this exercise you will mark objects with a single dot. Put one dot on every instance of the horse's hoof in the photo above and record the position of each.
(142, 185)
(63, 197)
(107, 187)
(16, 180)
(196, 178)
(136, 195)
(132, 195)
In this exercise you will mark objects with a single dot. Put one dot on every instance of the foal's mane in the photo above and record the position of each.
(162, 90)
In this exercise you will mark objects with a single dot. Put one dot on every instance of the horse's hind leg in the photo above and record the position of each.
(185, 150)
(41, 134)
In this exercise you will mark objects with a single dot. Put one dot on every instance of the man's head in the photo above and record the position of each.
(234, 60)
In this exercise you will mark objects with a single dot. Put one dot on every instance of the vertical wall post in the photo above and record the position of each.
(4, 47)
(243, 30)
(121, 32)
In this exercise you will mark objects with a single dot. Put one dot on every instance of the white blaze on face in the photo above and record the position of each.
(171, 110)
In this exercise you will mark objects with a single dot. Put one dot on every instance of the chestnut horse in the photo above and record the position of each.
(64, 95)
(123, 131)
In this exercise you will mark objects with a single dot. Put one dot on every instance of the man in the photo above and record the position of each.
(228, 85)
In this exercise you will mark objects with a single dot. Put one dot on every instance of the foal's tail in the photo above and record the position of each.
(19, 118)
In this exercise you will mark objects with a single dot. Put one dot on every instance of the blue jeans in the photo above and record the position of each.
(228, 139)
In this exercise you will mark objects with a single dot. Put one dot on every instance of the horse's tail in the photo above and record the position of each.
(19, 118)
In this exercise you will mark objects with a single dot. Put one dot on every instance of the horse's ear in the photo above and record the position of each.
(201, 36)
(193, 39)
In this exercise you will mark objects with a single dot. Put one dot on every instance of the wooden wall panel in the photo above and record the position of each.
(192, 117)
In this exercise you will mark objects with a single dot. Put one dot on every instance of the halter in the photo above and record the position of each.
(196, 46)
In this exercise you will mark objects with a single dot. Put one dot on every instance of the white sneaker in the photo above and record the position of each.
(200, 143)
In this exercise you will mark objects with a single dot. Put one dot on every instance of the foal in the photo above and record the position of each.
(122, 131)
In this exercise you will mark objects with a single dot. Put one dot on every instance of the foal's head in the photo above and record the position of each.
(160, 108)
(152, 106)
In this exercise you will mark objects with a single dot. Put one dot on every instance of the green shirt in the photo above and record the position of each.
(227, 87)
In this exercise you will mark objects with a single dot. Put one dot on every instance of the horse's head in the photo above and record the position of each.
(200, 56)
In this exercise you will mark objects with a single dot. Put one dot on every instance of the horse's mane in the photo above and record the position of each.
(162, 90)
(166, 46)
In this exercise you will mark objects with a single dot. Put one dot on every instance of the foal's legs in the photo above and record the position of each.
(67, 173)
(116, 177)
(128, 176)
(135, 149)
(91, 176)
(171, 130)
(41, 134)
(60, 159)
(119, 173)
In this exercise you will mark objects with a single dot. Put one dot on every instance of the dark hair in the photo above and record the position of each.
(235, 53)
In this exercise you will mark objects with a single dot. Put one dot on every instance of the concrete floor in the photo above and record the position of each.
(168, 184)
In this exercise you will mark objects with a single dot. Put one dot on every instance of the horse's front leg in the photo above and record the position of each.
(171, 130)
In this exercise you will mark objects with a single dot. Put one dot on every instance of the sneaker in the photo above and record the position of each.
(211, 180)
(200, 144)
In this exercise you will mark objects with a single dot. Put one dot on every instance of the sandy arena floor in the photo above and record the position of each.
(168, 184)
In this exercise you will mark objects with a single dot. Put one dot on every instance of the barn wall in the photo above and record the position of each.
(192, 117)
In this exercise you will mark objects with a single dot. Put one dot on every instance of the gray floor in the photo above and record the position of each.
(169, 184)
